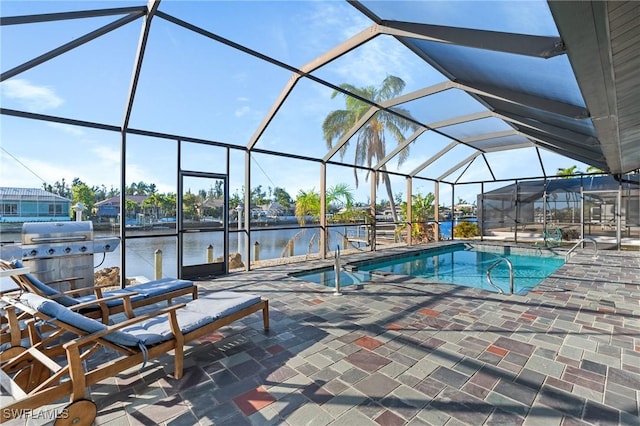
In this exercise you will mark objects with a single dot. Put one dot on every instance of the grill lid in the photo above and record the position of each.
(56, 232)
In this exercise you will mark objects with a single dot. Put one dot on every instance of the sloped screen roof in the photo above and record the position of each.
(480, 78)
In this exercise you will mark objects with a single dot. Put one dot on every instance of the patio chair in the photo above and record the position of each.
(151, 292)
(35, 377)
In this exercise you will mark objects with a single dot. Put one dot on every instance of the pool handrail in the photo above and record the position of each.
(595, 248)
(337, 268)
(510, 265)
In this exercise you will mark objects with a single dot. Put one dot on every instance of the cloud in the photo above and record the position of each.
(108, 154)
(242, 111)
(32, 97)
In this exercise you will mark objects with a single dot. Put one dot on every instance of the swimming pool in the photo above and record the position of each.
(459, 264)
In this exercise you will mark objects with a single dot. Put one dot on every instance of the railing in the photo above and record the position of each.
(510, 265)
(337, 268)
(595, 248)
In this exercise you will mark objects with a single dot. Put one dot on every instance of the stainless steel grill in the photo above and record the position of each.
(60, 250)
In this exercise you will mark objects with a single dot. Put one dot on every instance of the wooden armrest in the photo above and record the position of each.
(83, 340)
(102, 300)
(10, 290)
(85, 289)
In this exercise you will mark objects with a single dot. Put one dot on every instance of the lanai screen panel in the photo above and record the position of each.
(531, 17)
(369, 63)
(444, 105)
(299, 32)
(296, 128)
(193, 85)
(77, 83)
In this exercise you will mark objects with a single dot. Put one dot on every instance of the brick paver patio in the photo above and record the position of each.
(402, 351)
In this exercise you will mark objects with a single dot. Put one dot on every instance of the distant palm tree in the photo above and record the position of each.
(307, 205)
(567, 173)
(370, 139)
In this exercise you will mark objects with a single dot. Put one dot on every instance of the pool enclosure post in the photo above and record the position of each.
(436, 209)
(453, 210)
(323, 211)
(372, 210)
(336, 268)
(480, 212)
(407, 220)
(516, 219)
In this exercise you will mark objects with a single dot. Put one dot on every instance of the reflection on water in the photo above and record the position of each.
(271, 244)
(141, 251)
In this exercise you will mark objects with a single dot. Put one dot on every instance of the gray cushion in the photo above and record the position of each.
(161, 286)
(63, 314)
(45, 289)
(194, 315)
(158, 329)
(222, 303)
(114, 302)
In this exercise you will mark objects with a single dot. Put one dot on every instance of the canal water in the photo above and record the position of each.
(272, 244)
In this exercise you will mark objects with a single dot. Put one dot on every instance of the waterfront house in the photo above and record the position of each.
(110, 208)
(19, 205)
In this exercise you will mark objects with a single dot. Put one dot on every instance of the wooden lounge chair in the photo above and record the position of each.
(35, 376)
(144, 294)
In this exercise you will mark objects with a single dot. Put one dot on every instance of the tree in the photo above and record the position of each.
(282, 197)
(307, 205)
(371, 138)
(153, 201)
(130, 207)
(81, 193)
(422, 207)
(568, 173)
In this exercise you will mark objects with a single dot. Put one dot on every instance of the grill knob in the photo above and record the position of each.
(33, 252)
(107, 247)
(83, 249)
(67, 250)
(51, 251)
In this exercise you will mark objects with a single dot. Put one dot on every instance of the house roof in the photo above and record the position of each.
(13, 194)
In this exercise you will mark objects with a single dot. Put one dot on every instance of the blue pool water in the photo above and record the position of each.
(458, 265)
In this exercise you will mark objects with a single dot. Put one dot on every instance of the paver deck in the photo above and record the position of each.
(403, 351)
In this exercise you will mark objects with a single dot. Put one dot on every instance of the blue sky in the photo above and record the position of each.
(193, 86)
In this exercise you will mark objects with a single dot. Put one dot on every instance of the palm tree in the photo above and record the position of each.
(568, 173)
(371, 138)
(307, 205)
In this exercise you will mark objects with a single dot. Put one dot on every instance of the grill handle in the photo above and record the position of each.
(58, 239)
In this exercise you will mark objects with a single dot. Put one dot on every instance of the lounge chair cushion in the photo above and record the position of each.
(145, 290)
(45, 289)
(158, 329)
(142, 291)
(194, 315)
(222, 303)
(114, 302)
(61, 313)
(161, 286)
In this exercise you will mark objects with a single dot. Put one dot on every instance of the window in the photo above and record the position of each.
(9, 209)
(55, 209)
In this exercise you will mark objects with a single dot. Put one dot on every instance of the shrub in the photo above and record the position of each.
(466, 230)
